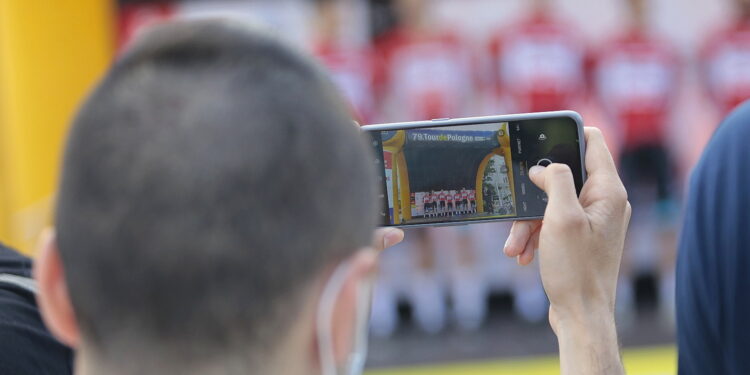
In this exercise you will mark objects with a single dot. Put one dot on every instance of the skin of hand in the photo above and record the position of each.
(580, 243)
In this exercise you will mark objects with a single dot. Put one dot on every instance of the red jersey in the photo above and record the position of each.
(134, 18)
(464, 194)
(427, 198)
(539, 63)
(725, 66)
(636, 77)
(443, 196)
(457, 197)
(423, 76)
(472, 195)
(352, 70)
(450, 197)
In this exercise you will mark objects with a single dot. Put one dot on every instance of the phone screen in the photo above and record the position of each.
(458, 173)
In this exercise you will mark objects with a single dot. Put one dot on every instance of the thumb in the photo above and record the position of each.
(557, 181)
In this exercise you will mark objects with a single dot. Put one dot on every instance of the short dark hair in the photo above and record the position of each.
(208, 180)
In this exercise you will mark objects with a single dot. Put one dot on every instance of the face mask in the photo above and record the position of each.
(355, 363)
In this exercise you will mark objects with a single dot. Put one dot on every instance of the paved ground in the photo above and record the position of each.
(502, 337)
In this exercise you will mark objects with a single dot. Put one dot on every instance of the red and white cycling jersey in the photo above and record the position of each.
(423, 76)
(464, 194)
(457, 197)
(636, 77)
(353, 71)
(539, 64)
(450, 197)
(443, 196)
(725, 66)
(427, 198)
(435, 197)
(472, 195)
(134, 18)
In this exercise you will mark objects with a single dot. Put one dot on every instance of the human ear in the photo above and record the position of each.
(53, 298)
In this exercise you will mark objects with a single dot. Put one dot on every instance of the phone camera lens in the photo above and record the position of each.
(544, 162)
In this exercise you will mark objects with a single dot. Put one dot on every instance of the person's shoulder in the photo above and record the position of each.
(726, 148)
(736, 126)
(13, 262)
(26, 347)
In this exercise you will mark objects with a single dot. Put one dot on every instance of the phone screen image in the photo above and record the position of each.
(458, 173)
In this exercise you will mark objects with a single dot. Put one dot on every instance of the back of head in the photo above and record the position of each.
(211, 176)
(714, 256)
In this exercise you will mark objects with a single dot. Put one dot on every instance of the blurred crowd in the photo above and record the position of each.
(407, 65)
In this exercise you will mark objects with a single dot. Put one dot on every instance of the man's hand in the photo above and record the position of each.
(580, 244)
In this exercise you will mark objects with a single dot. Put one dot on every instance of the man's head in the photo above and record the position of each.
(413, 13)
(328, 19)
(638, 12)
(211, 184)
(541, 5)
(743, 8)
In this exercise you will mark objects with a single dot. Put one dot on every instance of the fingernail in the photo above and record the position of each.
(386, 242)
(536, 170)
(505, 247)
(518, 259)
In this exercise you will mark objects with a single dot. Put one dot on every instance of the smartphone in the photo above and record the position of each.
(459, 171)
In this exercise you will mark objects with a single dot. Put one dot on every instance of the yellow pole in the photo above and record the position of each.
(50, 54)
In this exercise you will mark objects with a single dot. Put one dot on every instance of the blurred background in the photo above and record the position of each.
(655, 75)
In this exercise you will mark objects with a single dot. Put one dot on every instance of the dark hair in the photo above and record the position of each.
(207, 181)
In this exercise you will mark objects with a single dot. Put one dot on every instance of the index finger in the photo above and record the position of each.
(598, 158)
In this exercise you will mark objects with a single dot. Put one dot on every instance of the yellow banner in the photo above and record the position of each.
(50, 54)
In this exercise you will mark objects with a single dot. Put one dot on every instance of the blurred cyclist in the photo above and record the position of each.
(352, 67)
(636, 77)
(538, 63)
(426, 73)
(725, 61)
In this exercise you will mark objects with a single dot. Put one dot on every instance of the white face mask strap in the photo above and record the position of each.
(331, 292)
(359, 353)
